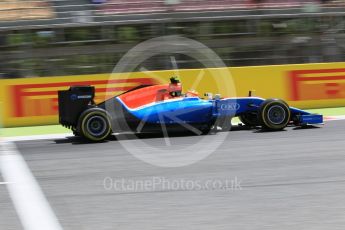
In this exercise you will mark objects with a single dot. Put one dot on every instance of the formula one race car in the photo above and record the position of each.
(149, 108)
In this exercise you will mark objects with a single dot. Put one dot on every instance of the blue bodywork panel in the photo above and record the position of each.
(189, 110)
(197, 110)
(310, 119)
(305, 118)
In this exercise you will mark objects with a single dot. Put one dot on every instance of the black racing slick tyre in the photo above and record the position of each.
(274, 114)
(250, 119)
(94, 124)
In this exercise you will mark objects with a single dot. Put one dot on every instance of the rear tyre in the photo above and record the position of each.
(274, 114)
(94, 124)
(250, 119)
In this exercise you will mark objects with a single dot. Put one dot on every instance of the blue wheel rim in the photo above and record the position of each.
(276, 114)
(96, 126)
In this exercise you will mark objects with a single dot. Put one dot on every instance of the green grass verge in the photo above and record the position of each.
(329, 111)
(35, 130)
(58, 129)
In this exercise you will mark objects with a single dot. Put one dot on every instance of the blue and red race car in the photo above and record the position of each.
(153, 108)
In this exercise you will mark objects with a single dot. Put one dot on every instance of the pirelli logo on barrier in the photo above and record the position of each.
(317, 84)
(30, 100)
(33, 101)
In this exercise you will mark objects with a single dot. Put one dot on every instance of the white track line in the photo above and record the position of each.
(334, 118)
(29, 201)
(4, 183)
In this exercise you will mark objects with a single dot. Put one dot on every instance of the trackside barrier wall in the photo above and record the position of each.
(33, 101)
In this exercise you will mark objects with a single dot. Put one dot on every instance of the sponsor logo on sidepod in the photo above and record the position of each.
(84, 97)
(231, 106)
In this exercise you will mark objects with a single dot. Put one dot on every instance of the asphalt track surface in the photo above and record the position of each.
(293, 179)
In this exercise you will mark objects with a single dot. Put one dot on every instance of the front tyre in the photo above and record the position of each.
(94, 124)
(274, 114)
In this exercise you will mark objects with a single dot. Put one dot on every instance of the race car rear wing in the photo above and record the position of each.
(73, 102)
